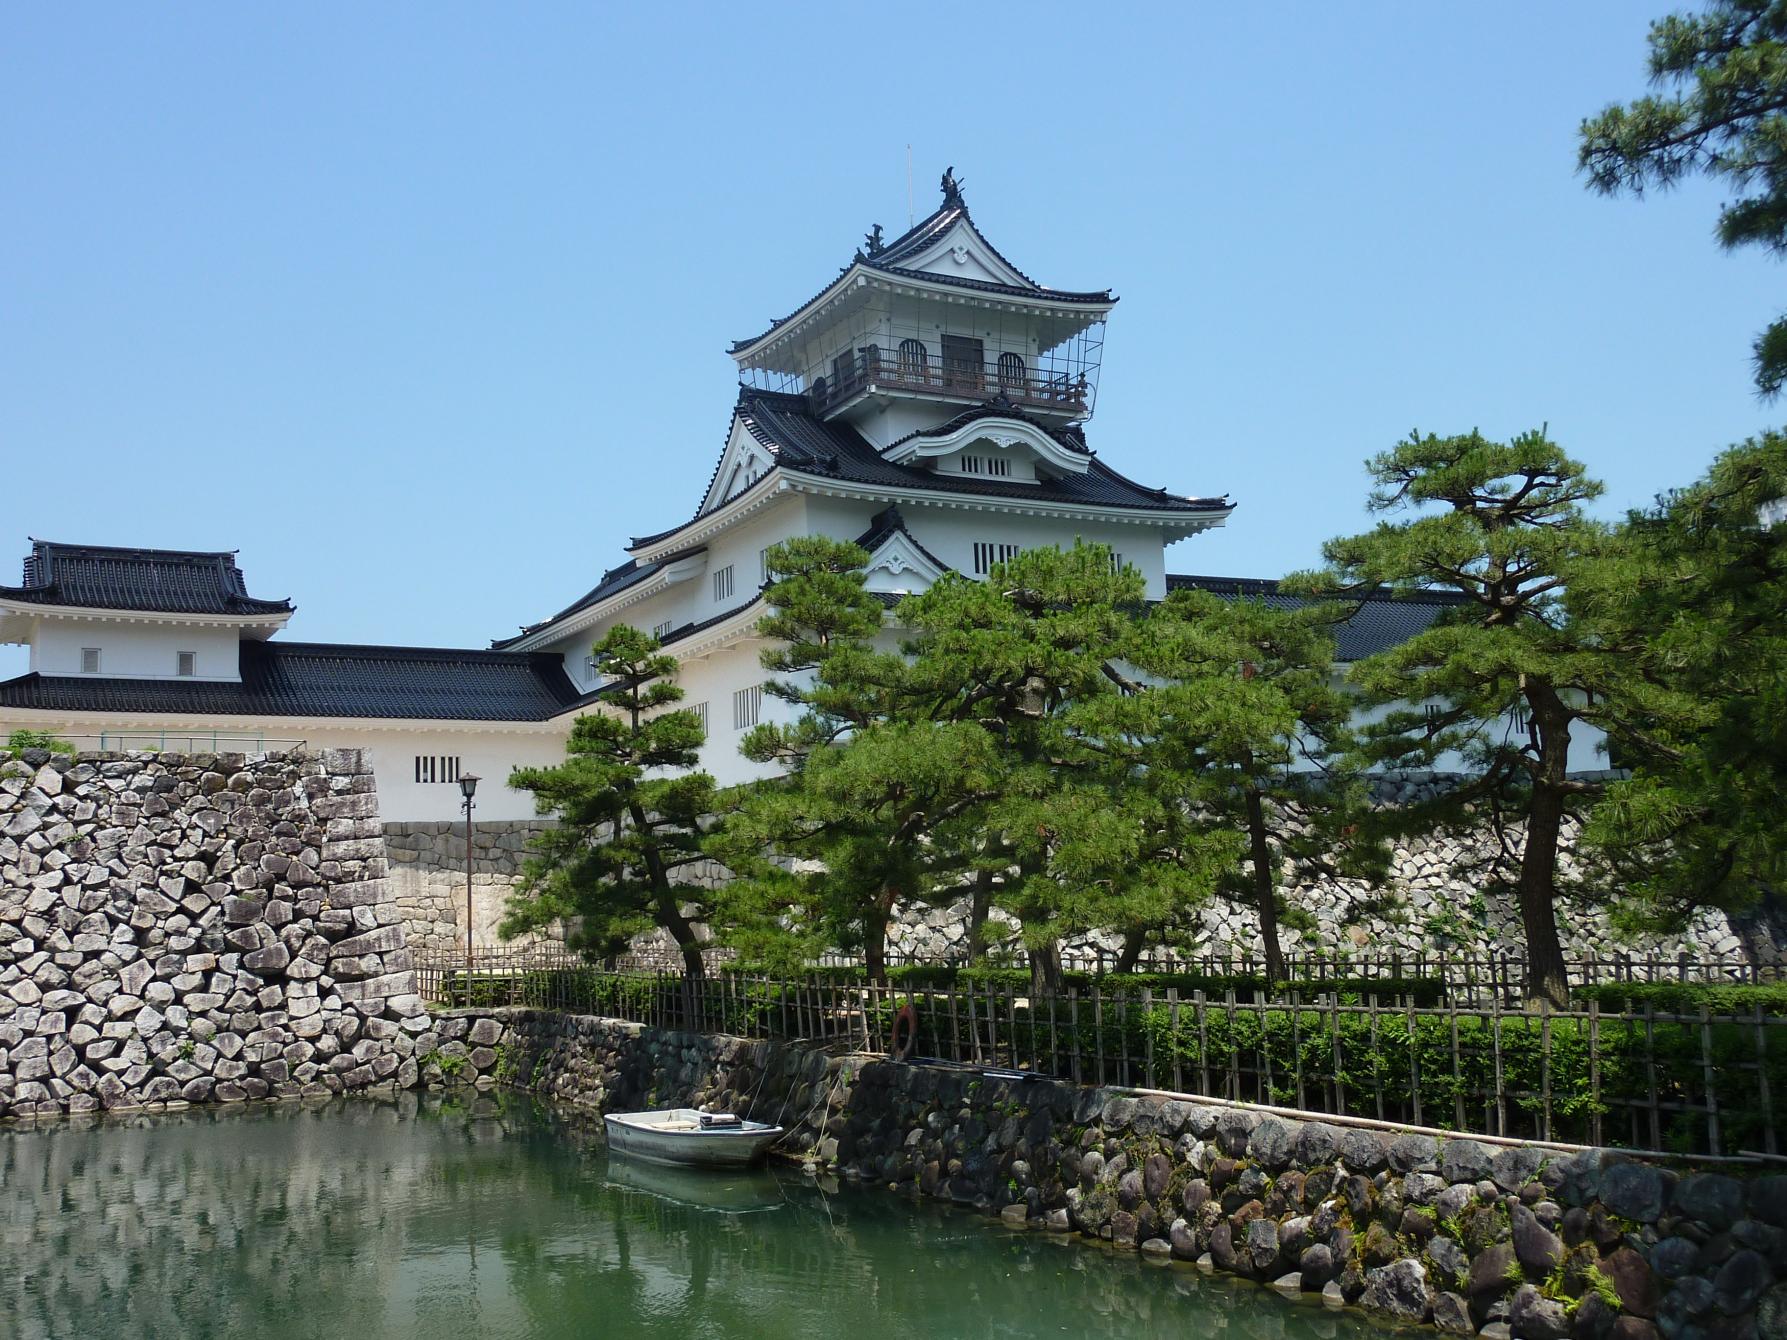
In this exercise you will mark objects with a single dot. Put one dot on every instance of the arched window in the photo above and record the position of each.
(913, 360)
(1011, 372)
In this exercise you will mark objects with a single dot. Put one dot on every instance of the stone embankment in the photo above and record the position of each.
(1501, 1240)
(196, 928)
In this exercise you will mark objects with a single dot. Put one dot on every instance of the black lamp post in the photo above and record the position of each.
(468, 787)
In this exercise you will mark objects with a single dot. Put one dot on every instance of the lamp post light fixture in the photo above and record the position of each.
(468, 787)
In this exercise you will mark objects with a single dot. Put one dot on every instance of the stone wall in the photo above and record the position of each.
(428, 880)
(189, 928)
(1476, 1237)
(1440, 899)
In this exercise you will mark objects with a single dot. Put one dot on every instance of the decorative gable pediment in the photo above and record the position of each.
(899, 565)
(992, 435)
(962, 253)
(742, 464)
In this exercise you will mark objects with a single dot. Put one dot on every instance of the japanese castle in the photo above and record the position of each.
(930, 403)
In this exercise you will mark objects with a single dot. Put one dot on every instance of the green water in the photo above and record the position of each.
(503, 1218)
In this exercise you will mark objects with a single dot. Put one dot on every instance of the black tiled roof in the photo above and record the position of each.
(1381, 621)
(162, 581)
(833, 448)
(630, 573)
(785, 426)
(310, 679)
(884, 526)
(914, 241)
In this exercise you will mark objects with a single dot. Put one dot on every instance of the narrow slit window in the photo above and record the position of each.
(89, 660)
(700, 711)
(186, 663)
(988, 552)
(662, 630)
(747, 706)
(437, 768)
(723, 583)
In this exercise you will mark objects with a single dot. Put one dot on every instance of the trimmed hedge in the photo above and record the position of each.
(1687, 997)
(939, 977)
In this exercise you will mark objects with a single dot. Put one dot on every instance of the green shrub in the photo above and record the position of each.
(21, 740)
(1687, 997)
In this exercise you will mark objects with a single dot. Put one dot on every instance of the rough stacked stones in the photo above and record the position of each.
(1503, 1241)
(180, 929)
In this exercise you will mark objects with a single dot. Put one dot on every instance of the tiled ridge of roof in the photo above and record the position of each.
(160, 581)
(912, 242)
(319, 679)
(1383, 619)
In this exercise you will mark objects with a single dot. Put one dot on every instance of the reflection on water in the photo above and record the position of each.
(506, 1219)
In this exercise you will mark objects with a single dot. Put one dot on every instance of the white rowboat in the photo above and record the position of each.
(680, 1138)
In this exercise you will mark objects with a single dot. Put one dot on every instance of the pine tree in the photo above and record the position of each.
(630, 804)
(1508, 674)
(1730, 122)
(1700, 594)
(822, 853)
(1246, 725)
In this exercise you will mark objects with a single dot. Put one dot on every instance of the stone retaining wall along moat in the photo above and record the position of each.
(195, 928)
(1474, 1237)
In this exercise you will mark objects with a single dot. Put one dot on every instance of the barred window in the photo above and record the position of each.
(89, 660)
(987, 553)
(700, 711)
(662, 630)
(437, 768)
(186, 663)
(747, 706)
(913, 358)
(723, 583)
(985, 465)
(1011, 372)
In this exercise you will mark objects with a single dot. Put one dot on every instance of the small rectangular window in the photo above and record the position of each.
(1434, 712)
(437, 768)
(763, 566)
(700, 711)
(89, 660)
(723, 583)
(987, 553)
(186, 663)
(662, 631)
(747, 705)
(973, 465)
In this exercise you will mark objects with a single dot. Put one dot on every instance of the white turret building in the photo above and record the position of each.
(930, 405)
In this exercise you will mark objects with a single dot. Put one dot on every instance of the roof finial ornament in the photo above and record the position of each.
(952, 189)
(873, 237)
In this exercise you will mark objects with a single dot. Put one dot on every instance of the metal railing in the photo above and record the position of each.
(1699, 1081)
(176, 742)
(869, 370)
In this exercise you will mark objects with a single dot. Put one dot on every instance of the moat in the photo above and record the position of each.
(497, 1216)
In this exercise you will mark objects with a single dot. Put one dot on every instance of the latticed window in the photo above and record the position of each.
(987, 553)
(913, 358)
(747, 706)
(662, 631)
(723, 583)
(437, 768)
(1012, 373)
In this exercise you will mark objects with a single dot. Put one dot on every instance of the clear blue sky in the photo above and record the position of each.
(424, 308)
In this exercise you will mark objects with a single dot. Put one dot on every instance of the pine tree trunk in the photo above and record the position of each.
(1265, 899)
(980, 903)
(1133, 940)
(670, 915)
(1546, 974)
(874, 937)
(1045, 969)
